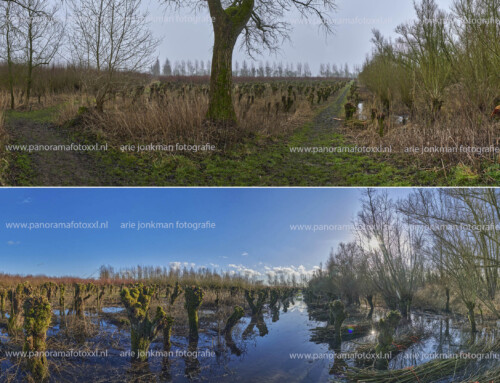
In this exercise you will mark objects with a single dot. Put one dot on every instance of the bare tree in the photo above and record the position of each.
(263, 26)
(463, 223)
(9, 34)
(395, 250)
(42, 34)
(109, 38)
(425, 49)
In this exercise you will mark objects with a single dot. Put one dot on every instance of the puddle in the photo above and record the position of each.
(112, 310)
(361, 115)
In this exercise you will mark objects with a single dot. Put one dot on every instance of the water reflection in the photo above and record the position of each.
(193, 365)
(256, 321)
(274, 346)
(165, 375)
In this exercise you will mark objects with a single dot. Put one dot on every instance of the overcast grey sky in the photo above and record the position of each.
(184, 39)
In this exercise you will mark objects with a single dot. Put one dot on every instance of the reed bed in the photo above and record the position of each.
(457, 135)
(430, 372)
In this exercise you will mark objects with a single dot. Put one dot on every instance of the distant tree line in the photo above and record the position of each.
(245, 69)
(181, 68)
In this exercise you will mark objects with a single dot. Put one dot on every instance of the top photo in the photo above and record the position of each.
(249, 93)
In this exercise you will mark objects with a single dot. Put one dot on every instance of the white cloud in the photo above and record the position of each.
(13, 243)
(288, 271)
(245, 254)
(243, 270)
(181, 265)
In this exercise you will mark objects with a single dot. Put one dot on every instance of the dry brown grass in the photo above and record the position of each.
(457, 126)
(9, 280)
(181, 120)
(432, 296)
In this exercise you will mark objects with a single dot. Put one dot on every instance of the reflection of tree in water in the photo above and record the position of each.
(339, 366)
(232, 345)
(286, 305)
(235, 317)
(165, 375)
(275, 313)
(261, 325)
(193, 366)
(256, 320)
(139, 372)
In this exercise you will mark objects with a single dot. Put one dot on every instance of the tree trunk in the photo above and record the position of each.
(447, 308)
(471, 315)
(228, 24)
(404, 306)
(369, 298)
(29, 79)
(9, 58)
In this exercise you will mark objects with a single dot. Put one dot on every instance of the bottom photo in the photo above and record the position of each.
(250, 285)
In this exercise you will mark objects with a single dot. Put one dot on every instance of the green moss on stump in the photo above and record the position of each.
(194, 297)
(3, 295)
(16, 297)
(79, 298)
(167, 332)
(176, 293)
(143, 329)
(237, 314)
(37, 316)
(256, 307)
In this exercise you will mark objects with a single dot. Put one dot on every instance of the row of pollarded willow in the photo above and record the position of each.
(30, 316)
(260, 23)
(444, 238)
(31, 311)
(147, 322)
(138, 301)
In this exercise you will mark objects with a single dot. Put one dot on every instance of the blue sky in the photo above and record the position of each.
(252, 232)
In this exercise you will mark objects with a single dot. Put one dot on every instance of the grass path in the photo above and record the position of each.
(256, 162)
(277, 165)
(44, 167)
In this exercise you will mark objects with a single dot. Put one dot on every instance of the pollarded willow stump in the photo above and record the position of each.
(143, 328)
(338, 315)
(237, 314)
(194, 297)
(234, 319)
(16, 298)
(257, 306)
(350, 109)
(175, 293)
(79, 298)
(167, 332)
(37, 316)
(387, 328)
(3, 295)
(62, 300)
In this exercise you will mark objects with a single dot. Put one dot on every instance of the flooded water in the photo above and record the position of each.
(112, 310)
(361, 114)
(263, 350)
(444, 336)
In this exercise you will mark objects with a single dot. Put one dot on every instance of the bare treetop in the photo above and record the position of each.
(268, 26)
